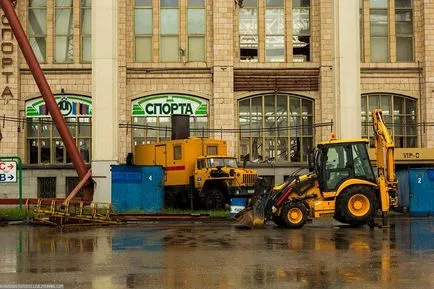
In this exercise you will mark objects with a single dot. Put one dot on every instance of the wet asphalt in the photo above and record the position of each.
(218, 255)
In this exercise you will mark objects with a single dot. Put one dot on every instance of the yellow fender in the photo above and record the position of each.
(346, 184)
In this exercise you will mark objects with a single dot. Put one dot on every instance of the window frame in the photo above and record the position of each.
(178, 35)
(38, 36)
(68, 35)
(196, 35)
(411, 36)
(85, 35)
(309, 35)
(145, 35)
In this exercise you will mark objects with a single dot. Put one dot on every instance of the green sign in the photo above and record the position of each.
(70, 106)
(168, 104)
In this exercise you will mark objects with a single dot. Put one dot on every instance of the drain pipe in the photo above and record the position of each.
(46, 92)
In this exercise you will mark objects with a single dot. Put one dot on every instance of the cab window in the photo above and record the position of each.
(201, 164)
(337, 166)
(177, 152)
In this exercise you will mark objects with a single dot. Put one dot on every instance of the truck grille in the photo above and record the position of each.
(249, 178)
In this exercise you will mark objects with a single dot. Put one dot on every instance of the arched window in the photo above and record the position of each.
(276, 127)
(400, 116)
(43, 142)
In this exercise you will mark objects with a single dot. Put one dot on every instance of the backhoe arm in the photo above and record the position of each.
(384, 145)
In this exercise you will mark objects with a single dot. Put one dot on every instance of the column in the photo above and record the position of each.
(105, 86)
(223, 109)
(347, 68)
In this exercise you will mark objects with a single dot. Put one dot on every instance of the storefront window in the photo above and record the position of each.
(400, 116)
(44, 144)
(86, 30)
(276, 127)
(64, 44)
(151, 116)
(37, 28)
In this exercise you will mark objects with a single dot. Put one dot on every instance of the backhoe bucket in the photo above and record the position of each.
(252, 217)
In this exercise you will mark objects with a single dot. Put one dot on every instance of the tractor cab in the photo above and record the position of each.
(337, 161)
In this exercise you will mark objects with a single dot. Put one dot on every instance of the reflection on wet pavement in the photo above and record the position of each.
(164, 255)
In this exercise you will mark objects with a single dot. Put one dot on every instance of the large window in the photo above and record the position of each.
(196, 20)
(44, 144)
(143, 30)
(169, 31)
(400, 116)
(85, 30)
(264, 21)
(404, 30)
(276, 127)
(64, 29)
(66, 15)
(37, 28)
(301, 30)
(383, 46)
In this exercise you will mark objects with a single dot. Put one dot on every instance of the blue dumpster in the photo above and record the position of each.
(421, 192)
(137, 188)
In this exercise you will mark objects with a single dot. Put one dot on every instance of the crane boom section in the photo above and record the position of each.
(385, 161)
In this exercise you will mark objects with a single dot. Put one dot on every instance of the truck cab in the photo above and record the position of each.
(218, 178)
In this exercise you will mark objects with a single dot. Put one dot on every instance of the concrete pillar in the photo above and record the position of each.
(105, 69)
(224, 105)
(347, 68)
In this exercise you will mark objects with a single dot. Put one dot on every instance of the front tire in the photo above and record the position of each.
(294, 216)
(213, 199)
(356, 206)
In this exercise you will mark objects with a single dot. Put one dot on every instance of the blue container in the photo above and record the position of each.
(137, 188)
(421, 192)
(237, 204)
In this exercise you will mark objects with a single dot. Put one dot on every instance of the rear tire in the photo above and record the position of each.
(356, 206)
(213, 199)
(294, 216)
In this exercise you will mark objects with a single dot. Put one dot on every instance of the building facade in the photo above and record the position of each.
(272, 77)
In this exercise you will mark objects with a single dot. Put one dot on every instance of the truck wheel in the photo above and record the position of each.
(356, 206)
(213, 199)
(294, 216)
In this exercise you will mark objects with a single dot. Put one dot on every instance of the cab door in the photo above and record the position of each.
(200, 173)
(161, 158)
(337, 167)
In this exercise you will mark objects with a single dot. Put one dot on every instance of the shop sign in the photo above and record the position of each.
(69, 105)
(166, 105)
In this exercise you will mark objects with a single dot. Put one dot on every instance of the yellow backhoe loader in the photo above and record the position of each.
(341, 183)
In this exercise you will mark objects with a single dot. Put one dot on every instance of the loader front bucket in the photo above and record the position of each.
(252, 217)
